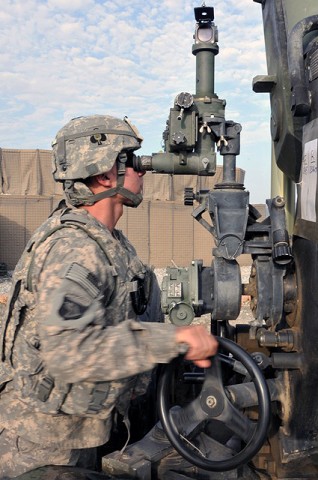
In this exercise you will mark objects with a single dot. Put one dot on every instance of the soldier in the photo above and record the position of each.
(72, 342)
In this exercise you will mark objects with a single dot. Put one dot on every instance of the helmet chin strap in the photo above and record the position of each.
(134, 198)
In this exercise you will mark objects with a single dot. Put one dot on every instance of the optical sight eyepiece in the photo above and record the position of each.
(204, 14)
(142, 163)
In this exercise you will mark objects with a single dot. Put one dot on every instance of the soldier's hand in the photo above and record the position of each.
(201, 344)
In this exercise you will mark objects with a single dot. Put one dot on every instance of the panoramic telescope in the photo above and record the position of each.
(196, 124)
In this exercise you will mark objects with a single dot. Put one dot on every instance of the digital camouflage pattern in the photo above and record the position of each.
(72, 344)
(87, 146)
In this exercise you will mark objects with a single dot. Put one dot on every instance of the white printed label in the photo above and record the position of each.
(309, 182)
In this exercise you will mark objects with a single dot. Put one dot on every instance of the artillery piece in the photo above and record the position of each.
(257, 404)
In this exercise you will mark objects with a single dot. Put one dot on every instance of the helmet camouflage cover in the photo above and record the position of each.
(88, 146)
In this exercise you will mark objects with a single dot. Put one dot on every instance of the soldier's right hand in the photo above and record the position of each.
(201, 344)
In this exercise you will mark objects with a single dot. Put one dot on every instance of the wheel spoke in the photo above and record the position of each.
(189, 418)
(239, 423)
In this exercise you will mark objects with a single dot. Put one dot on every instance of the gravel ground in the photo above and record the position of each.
(246, 313)
(5, 283)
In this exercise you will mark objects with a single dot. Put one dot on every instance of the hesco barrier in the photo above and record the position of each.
(161, 228)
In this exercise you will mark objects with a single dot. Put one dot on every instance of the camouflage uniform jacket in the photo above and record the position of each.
(71, 342)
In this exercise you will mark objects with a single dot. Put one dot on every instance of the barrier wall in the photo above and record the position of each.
(161, 228)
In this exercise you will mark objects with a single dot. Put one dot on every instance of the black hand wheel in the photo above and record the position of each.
(213, 404)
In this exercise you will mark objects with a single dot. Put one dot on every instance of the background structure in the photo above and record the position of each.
(161, 228)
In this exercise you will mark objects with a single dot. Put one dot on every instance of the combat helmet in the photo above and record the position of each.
(88, 146)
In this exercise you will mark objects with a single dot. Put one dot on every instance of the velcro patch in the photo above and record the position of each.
(71, 310)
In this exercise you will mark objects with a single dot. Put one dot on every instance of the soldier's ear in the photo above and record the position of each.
(103, 180)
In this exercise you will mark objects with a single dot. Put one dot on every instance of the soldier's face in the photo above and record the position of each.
(134, 180)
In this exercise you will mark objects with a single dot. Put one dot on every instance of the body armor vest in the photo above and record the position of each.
(28, 375)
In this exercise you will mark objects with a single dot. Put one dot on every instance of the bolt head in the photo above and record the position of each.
(211, 401)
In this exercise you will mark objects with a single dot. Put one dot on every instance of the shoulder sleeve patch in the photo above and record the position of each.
(71, 309)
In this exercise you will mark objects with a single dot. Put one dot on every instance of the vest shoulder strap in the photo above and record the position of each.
(67, 220)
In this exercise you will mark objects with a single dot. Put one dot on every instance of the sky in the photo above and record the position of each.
(62, 59)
